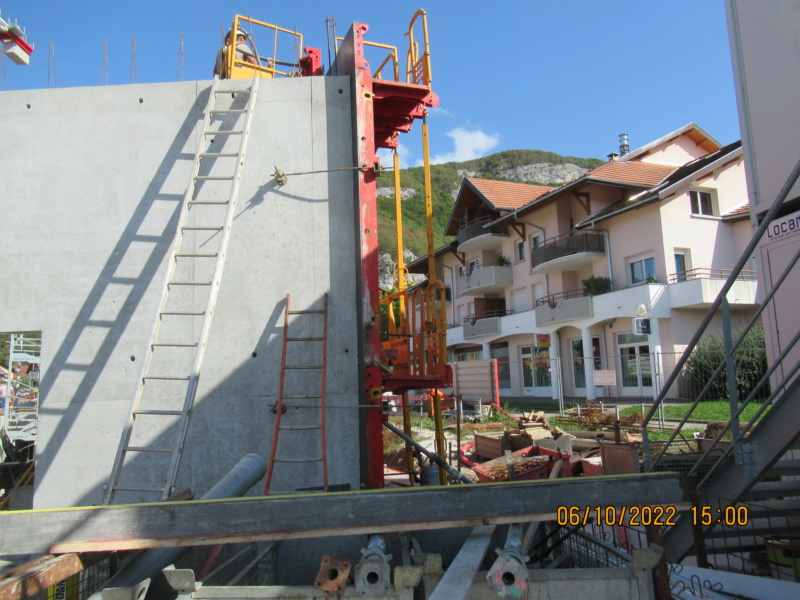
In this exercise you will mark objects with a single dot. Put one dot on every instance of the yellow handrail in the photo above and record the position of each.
(240, 69)
(392, 56)
(418, 68)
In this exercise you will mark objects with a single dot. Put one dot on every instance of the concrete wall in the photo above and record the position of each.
(93, 185)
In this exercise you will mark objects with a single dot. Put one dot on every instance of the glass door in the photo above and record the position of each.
(635, 365)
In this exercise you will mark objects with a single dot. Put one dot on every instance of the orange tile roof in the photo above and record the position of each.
(509, 195)
(636, 172)
(742, 210)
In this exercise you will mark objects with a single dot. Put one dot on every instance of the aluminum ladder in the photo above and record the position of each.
(303, 389)
(152, 442)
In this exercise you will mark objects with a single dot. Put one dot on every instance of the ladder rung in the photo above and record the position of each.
(173, 345)
(306, 312)
(219, 154)
(228, 112)
(143, 449)
(119, 488)
(302, 366)
(156, 412)
(189, 283)
(193, 228)
(224, 132)
(297, 460)
(301, 397)
(166, 378)
(211, 255)
(303, 339)
(183, 314)
(233, 91)
(214, 178)
(300, 428)
(220, 203)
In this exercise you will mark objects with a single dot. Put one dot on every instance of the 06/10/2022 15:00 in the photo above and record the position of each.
(650, 515)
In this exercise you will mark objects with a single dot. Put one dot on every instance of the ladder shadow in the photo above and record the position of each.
(113, 293)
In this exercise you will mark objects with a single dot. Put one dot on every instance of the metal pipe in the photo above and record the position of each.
(434, 457)
(245, 474)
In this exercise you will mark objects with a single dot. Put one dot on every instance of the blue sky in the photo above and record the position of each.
(564, 76)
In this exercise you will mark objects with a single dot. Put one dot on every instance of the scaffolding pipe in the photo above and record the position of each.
(250, 469)
(434, 457)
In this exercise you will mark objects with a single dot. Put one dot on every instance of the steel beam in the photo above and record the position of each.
(457, 580)
(203, 522)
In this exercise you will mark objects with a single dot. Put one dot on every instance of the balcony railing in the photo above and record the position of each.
(553, 299)
(709, 274)
(471, 319)
(475, 228)
(570, 243)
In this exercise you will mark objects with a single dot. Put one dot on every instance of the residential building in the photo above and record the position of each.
(657, 229)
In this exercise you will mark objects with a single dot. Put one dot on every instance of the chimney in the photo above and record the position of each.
(612, 157)
(624, 148)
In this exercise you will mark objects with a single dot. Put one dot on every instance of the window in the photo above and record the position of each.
(642, 270)
(681, 265)
(473, 265)
(702, 203)
(521, 251)
(535, 242)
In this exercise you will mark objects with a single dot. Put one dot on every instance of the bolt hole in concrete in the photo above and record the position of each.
(508, 578)
(333, 574)
(372, 578)
(28, 106)
(341, 91)
(254, 354)
(133, 359)
(141, 100)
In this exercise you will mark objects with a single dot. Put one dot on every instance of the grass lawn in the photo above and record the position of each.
(716, 410)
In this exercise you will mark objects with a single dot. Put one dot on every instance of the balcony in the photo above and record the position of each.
(487, 323)
(473, 237)
(485, 280)
(698, 288)
(564, 306)
(569, 252)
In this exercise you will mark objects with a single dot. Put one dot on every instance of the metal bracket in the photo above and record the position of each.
(508, 576)
(332, 575)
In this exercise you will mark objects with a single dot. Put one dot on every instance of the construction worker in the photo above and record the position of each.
(243, 53)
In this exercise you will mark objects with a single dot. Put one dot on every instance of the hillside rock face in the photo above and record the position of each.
(388, 192)
(387, 266)
(545, 173)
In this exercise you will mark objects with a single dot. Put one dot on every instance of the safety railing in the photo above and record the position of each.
(776, 377)
(709, 274)
(418, 66)
(392, 58)
(569, 243)
(553, 299)
(267, 65)
(418, 332)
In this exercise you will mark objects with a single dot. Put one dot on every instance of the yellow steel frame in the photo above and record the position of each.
(392, 56)
(418, 68)
(238, 69)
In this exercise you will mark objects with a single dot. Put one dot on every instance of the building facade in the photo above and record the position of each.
(591, 289)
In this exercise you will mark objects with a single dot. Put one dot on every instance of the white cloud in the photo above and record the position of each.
(407, 158)
(440, 112)
(469, 144)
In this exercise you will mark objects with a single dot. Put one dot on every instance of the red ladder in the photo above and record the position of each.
(280, 407)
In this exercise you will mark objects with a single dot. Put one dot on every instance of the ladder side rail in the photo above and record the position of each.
(119, 459)
(279, 404)
(194, 377)
(322, 393)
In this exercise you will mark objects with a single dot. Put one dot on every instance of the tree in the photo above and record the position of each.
(750, 359)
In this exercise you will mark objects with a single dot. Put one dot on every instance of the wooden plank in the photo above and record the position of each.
(37, 575)
(203, 522)
(457, 580)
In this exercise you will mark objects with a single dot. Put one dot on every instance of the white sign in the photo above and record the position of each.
(784, 227)
(605, 377)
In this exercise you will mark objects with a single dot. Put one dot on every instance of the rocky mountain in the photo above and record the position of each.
(526, 166)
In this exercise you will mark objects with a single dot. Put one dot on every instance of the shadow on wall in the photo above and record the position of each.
(115, 293)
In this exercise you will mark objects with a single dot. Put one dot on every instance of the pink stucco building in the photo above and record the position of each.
(659, 227)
